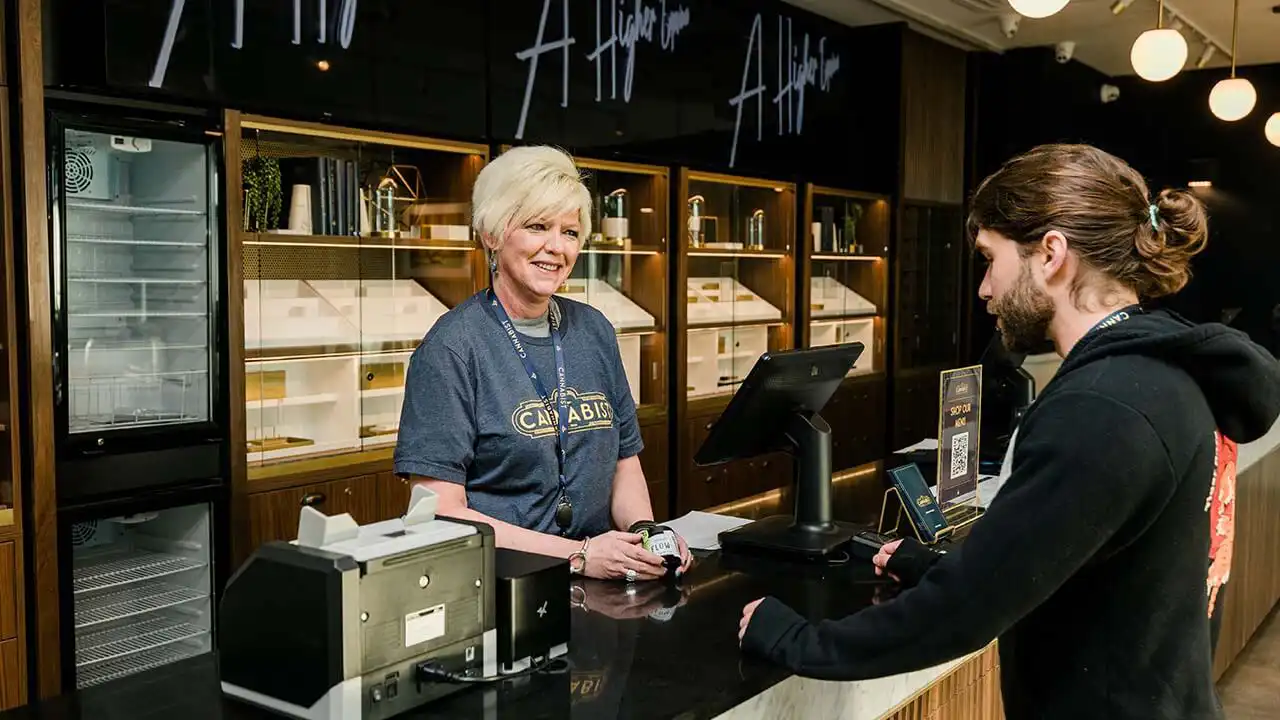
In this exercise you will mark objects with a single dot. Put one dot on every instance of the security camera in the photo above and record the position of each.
(1063, 51)
(1009, 24)
(1109, 93)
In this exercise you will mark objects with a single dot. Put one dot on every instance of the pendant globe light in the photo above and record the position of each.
(1158, 54)
(1273, 129)
(1233, 98)
(1037, 8)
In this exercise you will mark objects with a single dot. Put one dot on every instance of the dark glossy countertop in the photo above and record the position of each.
(652, 653)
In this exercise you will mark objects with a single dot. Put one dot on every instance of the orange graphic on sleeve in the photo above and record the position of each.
(1221, 507)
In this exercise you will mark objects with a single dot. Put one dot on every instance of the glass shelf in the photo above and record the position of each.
(848, 272)
(343, 284)
(738, 245)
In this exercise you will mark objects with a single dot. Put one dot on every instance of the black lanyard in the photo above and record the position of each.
(564, 509)
(1116, 318)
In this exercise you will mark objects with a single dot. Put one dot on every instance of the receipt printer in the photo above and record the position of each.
(353, 622)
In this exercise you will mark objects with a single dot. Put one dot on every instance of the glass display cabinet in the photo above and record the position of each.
(352, 245)
(845, 293)
(737, 250)
(736, 267)
(622, 270)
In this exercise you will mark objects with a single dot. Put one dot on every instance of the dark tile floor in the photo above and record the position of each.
(1250, 690)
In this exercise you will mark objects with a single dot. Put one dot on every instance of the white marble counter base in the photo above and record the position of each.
(798, 698)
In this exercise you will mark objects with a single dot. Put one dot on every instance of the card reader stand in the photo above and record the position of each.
(892, 497)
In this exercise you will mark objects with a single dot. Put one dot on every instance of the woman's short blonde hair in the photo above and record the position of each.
(527, 183)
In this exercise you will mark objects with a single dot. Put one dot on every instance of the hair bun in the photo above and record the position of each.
(1180, 232)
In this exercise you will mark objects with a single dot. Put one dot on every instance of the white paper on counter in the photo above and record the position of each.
(701, 530)
(929, 444)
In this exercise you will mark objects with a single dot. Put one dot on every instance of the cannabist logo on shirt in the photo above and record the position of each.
(587, 411)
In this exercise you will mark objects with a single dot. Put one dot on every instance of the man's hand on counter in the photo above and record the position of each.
(905, 560)
(747, 612)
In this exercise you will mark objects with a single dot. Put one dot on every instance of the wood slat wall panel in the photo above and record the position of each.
(1254, 587)
(969, 692)
(933, 120)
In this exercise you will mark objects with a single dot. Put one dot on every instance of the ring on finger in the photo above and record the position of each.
(631, 575)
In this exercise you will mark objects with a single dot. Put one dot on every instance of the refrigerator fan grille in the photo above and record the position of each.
(83, 532)
(78, 170)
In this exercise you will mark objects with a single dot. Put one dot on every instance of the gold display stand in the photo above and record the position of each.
(901, 509)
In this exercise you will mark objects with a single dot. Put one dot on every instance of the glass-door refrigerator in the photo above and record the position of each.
(139, 386)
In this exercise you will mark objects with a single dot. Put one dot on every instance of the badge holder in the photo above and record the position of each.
(899, 510)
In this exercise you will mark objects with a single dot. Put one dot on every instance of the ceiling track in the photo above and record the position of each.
(1207, 37)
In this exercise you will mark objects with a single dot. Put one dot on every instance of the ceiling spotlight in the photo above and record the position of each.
(1037, 8)
(1200, 184)
(1207, 55)
(1119, 6)
(1272, 129)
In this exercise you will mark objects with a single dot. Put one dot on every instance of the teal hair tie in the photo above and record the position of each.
(1155, 223)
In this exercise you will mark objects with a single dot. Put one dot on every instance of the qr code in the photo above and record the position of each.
(959, 455)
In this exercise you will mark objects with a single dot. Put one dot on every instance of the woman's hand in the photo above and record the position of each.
(686, 557)
(611, 555)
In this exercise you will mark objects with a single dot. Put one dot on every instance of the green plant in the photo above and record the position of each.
(263, 196)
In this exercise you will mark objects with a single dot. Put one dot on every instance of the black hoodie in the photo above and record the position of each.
(1090, 565)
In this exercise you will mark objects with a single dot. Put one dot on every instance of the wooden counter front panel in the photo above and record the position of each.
(274, 515)
(11, 675)
(8, 592)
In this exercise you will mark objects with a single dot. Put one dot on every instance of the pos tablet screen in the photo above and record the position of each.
(777, 409)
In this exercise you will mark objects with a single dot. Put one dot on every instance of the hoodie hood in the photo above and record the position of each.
(1239, 378)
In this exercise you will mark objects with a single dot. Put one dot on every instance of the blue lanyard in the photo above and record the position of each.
(564, 508)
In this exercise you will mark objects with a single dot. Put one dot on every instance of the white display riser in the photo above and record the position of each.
(824, 333)
(727, 352)
(321, 404)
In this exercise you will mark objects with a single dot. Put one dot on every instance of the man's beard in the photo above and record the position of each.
(1025, 313)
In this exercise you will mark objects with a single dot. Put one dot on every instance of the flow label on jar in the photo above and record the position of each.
(423, 625)
(664, 543)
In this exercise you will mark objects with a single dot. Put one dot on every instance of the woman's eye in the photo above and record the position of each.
(536, 227)
(572, 233)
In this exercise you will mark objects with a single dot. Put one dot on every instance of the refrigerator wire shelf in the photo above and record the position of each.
(169, 397)
(132, 600)
(133, 638)
(117, 568)
(136, 663)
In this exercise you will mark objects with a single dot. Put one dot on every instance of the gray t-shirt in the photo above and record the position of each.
(471, 416)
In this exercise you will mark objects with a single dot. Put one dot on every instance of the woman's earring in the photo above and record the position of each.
(493, 264)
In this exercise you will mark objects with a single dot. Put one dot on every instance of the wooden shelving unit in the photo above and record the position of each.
(733, 298)
(623, 270)
(329, 305)
(842, 288)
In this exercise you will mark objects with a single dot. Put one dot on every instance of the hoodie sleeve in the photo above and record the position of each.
(1073, 486)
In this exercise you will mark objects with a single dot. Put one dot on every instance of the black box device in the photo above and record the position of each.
(533, 608)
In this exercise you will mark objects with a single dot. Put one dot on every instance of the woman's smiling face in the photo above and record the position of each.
(537, 257)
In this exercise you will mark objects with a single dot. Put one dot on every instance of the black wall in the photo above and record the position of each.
(1166, 131)
(752, 87)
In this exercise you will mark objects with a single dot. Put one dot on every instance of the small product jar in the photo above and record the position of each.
(661, 541)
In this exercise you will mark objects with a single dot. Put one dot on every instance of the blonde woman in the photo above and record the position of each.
(517, 411)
